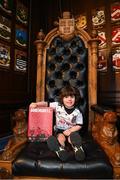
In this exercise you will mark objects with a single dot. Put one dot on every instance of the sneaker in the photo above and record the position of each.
(77, 146)
(54, 146)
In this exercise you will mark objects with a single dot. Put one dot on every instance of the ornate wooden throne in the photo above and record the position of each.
(68, 54)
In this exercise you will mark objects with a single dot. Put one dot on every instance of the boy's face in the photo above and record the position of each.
(69, 101)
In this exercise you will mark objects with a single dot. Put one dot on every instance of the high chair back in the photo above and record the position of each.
(67, 57)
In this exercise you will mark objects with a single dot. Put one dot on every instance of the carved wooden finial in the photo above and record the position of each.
(40, 35)
(66, 15)
(56, 23)
(66, 26)
(94, 33)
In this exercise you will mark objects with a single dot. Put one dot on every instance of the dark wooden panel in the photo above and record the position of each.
(5, 123)
(14, 94)
(109, 89)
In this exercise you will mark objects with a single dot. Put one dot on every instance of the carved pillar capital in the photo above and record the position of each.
(94, 45)
(40, 44)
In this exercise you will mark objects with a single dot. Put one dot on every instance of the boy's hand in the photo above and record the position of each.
(33, 105)
(39, 104)
(42, 104)
(67, 132)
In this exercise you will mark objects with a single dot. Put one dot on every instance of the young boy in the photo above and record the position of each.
(69, 121)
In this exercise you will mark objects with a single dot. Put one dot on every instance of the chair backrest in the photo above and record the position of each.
(64, 58)
(66, 63)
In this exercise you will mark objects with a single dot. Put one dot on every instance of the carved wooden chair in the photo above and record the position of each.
(67, 55)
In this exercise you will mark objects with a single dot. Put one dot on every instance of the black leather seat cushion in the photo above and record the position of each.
(36, 160)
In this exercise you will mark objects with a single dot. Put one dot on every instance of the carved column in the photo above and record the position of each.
(92, 71)
(40, 44)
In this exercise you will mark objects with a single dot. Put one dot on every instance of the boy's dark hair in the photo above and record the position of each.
(69, 91)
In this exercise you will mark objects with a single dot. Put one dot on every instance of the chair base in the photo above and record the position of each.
(37, 160)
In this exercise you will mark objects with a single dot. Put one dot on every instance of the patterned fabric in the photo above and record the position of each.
(63, 119)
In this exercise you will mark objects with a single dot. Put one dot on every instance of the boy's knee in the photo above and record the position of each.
(61, 137)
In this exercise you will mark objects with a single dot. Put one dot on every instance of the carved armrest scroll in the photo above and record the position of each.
(105, 132)
(17, 142)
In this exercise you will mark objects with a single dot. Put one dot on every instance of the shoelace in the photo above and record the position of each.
(60, 149)
(76, 149)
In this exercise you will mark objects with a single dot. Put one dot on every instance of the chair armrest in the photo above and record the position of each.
(105, 132)
(12, 148)
(100, 109)
(17, 142)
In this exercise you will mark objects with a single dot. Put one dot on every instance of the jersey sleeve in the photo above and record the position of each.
(79, 118)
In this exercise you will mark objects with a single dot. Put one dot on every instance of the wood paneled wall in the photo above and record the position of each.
(13, 95)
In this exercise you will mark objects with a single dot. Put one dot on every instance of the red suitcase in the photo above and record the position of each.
(40, 123)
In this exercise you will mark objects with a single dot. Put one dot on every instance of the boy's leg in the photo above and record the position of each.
(54, 145)
(76, 143)
(61, 139)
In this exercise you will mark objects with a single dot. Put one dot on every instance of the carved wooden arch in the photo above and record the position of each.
(90, 42)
